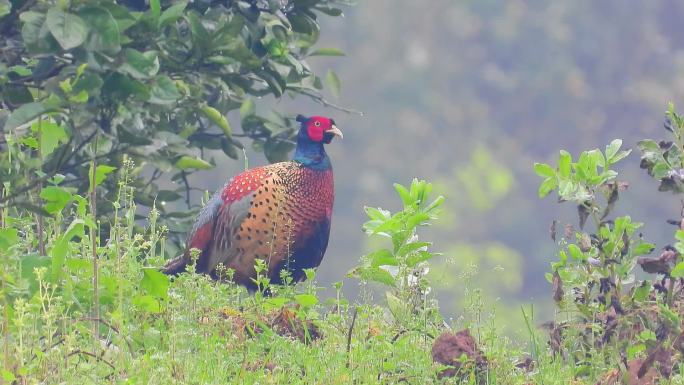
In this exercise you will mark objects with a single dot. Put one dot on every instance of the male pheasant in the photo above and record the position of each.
(279, 213)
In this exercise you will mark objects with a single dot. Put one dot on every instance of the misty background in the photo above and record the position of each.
(468, 95)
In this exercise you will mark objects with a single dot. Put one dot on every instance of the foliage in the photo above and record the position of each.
(611, 320)
(193, 330)
(134, 324)
(404, 266)
(664, 160)
(97, 80)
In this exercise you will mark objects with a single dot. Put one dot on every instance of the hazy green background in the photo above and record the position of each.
(468, 94)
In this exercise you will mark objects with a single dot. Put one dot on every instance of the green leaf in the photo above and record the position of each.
(306, 26)
(56, 197)
(101, 173)
(412, 247)
(566, 188)
(642, 292)
(647, 335)
(8, 376)
(396, 306)
(678, 271)
(247, 108)
(59, 249)
(275, 81)
(25, 114)
(51, 135)
(564, 161)
(333, 83)
(171, 14)
(404, 194)
(187, 162)
(575, 252)
(229, 147)
(155, 10)
(217, 118)
(5, 9)
(620, 155)
(327, 52)
(164, 91)
(596, 158)
(277, 302)
(377, 214)
(544, 170)
(200, 36)
(105, 34)
(147, 303)
(416, 258)
(76, 265)
(376, 274)
(306, 300)
(30, 141)
(118, 87)
(679, 235)
(140, 65)
(20, 70)
(613, 149)
(634, 349)
(660, 170)
(8, 237)
(643, 248)
(648, 145)
(548, 185)
(79, 98)
(382, 257)
(417, 219)
(35, 33)
(435, 204)
(155, 283)
(69, 30)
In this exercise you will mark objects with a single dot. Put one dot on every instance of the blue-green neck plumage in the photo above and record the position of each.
(310, 153)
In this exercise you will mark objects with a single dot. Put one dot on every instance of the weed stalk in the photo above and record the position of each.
(93, 240)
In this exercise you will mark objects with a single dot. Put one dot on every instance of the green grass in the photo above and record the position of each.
(143, 328)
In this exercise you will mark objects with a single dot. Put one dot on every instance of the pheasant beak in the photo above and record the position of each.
(336, 131)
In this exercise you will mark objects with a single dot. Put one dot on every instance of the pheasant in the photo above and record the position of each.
(278, 213)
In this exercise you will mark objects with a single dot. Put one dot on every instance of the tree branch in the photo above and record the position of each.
(326, 103)
(89, 354)
(349, 336)
(184, 177)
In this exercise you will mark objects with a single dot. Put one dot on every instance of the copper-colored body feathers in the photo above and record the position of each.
(278, 213)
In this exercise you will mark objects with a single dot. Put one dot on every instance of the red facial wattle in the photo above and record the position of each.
(315, 130)
(317, 127)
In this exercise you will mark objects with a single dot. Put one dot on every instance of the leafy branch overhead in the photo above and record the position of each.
(154, 82)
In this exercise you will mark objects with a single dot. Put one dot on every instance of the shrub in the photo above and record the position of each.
(609, 319)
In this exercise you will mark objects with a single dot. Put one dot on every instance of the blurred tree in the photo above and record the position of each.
(481, 269)
(520, 78)
(150, 80)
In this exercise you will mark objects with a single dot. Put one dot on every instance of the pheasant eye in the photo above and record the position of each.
(317, 123)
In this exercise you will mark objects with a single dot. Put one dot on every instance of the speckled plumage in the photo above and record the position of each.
(279, 213)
